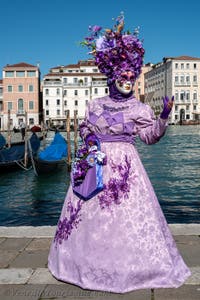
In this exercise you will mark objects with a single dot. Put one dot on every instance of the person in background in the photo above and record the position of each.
(119, 240)
(22, 127)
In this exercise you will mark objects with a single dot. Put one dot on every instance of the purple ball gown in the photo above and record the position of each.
(119, 240)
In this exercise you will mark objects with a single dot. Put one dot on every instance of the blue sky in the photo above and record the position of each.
(48, 32)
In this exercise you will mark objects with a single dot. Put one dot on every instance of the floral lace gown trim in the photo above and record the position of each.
(119, 240)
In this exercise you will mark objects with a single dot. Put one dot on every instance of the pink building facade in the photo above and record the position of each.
(21, 95)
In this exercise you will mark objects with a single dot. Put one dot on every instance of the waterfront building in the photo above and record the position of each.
(69, 88)
(140, 82)
(178, 76)
(20, 95)
(1, 101)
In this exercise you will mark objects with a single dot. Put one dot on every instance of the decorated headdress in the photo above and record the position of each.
(114, 50)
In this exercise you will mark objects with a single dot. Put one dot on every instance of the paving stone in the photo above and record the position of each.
(195, 277)
(43, 276)
(17, 244)
(185, 292)
(39, 244)
(187, 239)
(15, 276)
(2, 239)
(6, 257)
(21, 292)
(31, 259)
(190, 252)
(71, 292)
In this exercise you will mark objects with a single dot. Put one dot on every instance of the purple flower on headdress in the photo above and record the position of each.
(115, 52)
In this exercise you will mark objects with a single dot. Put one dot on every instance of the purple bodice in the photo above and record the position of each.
(122, 121)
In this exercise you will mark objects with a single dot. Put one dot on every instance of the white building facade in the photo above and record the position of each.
(178, 76)
(69, 88)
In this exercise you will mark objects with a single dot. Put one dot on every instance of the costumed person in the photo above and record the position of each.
(118, 240)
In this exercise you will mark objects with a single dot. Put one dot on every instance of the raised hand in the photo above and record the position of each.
(167, 107)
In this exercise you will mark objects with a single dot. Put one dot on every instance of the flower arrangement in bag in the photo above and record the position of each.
(86, 158)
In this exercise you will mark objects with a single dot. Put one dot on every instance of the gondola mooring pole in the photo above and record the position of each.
(9, 132)
(25, 143)
(68, 140)
(75, 132)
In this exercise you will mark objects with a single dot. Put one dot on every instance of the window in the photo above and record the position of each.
(182, 79)
(47, 112)
(187, 66)
(187, 95)
(195, 66)
(76, 102)
(182, 95)
(176, 95)
(20, 88)
(30, 88)
(194, 107)
(106, 90)
(31, 121)
(182, 66)
(176, 107)
(187, 107)
(195, 78)
(65, 102)
(20, 105)
(75, 92)
(86, 102)
(139, 91)
(58, 101)
(58, 112)
(31, 105)
(86, 92)
(65, 93)
(46, 91)
(47, 102)
(85, 79)
(176, 79)
(176, 117)
(20, 73)
(10, 88)
(31, 73)
(96, 90)
(195, 95)
(176, 66)
(187, 117)
(9, 74)
(75, 80)
(57, 91)
(65, 80)
(187, 78)
(9, 105)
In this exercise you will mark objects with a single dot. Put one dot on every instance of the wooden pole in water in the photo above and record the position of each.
(68, 140)
(75, 132)
(25, 143)
(8, 126)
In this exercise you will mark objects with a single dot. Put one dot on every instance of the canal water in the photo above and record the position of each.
(173, 166)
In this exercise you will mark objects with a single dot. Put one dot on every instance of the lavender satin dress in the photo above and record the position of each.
(119, 240)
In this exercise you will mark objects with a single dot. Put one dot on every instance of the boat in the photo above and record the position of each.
(12, 158)
(53, 158)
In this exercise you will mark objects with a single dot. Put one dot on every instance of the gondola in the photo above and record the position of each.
(12, 158)
(53, 158)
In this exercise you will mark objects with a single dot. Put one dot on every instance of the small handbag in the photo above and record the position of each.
(92, 183)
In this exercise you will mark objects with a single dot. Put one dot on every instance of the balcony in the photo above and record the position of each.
(20, 112)
(188, 83)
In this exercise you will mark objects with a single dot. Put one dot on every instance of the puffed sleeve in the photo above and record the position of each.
(148, 128)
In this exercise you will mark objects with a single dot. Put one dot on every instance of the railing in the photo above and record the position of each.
(20, 112)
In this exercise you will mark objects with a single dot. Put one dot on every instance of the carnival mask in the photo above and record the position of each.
(125, 83)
